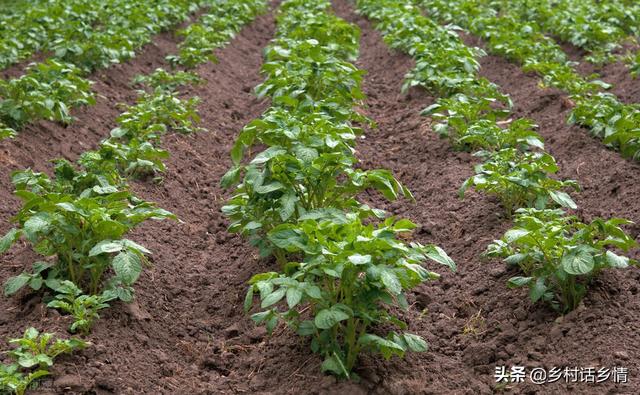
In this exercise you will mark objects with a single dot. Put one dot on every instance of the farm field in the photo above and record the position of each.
(310, 196)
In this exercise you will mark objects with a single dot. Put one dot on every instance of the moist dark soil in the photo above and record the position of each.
(187, 333)
(616, 74)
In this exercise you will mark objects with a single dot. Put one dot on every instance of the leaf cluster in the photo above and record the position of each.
(32, 357)
(559, 254)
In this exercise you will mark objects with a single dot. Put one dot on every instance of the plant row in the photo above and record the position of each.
(599, 27)
(50, 88)
(78, 219)
(506, 35)
(47, 90)
(596, 26)
(343, 266)
(556, 253)
(40, 25)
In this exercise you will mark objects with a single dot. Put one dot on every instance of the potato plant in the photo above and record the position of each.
(342, 264)
(309, 165)
(83, 308)
(79, 219)
(350, 276)
(216, 28)
(32, 358)
(559, 255)
(521, 179)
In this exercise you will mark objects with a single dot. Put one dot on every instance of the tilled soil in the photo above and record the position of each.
(187, 333)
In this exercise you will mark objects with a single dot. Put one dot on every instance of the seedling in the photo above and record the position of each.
(559, 255)
(32, 358)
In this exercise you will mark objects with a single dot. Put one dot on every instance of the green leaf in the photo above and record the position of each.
(248, 299)
(13, 284)
(313, 291)
(616, 261)
(307, 328)
(294, 295)
(358, 259)
(106, 247)
(333, 364)
(415, 342)
(437, 254)
(327, 318)
(538, 290)
(8, 239)
(515, 234)
(287, 205)
(127, 266)
(231, 177)
(391, 282)
(286, 238)
(34, 225)
(518, 281)
(273, 298)
(563, 199)
(578, 261)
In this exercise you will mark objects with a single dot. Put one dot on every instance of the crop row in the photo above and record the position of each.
(42, 24)
(49, 89)
(342, 264)
(556, 253)
(596, 26)
(79, 218)
(607, 118)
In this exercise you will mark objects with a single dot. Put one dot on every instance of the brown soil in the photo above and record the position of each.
(617, 74)
(186, 332)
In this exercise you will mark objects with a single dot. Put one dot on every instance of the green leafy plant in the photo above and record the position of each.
(520, 179)
(167, 81)
(84, 308)
(341, 268)
(80, 220)
(214, 29)
(559, 255)
(351, 275)
(508, 35)
(32, 358)
(308, 165)
(46, 91)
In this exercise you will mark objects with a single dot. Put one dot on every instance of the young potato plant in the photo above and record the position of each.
(167, 81)
(131, 150)
(83, 308)
(309, 165)
(559, 255)
(215, 29)
(583, 24)
(302, 75)
(520, 179)
(351, 276)
(78, 221)
(32, 358)
(46, 91)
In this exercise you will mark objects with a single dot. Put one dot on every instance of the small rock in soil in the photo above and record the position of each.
(70, 382)
(621, 355)
(137, 312)
(232, 331)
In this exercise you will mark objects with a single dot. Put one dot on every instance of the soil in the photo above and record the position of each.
(617, 73)
(187, 333)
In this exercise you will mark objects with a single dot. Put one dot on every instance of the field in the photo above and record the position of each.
(217, 227)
